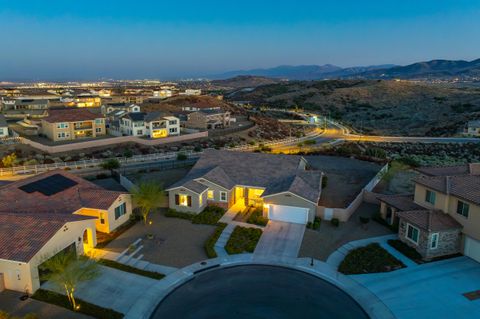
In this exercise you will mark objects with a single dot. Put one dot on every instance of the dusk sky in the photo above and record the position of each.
(60, 40)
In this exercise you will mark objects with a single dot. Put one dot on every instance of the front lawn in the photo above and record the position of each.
(256, 218)
(133, 270)
(212, 240)
(85, 307)
(369, 259)
(209, 216)
(243, 239)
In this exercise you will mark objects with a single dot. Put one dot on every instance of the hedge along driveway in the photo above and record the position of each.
(113, 289)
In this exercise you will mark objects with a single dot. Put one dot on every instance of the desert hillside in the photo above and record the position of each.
(377, 106)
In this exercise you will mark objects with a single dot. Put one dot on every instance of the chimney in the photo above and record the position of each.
(474, 168)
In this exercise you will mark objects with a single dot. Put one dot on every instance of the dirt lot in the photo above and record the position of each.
(346, 178)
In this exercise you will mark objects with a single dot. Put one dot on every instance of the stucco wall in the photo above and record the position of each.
(24, 276)
(195, 208)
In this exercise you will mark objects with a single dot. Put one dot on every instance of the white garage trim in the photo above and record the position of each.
(472, 248)
(290, 214)
(290, 193)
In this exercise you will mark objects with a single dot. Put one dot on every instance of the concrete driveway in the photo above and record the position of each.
(280, 239)
(113, 289)
(433, 290)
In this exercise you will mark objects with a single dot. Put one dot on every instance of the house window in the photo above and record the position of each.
(62, 125)
(223, 196)
(120, 211)
(434, 241)
(102, 218)
(430, 197)
(173, 130)
(62, 135)
(200, 200)
(140, 132)
(98, 121)
(210, 194)
(412, 233)
(462, 208)
(1, 131)
(98, 130)
(183, 200)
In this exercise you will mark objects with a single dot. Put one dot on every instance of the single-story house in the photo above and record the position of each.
(280, 185)
(45, 214)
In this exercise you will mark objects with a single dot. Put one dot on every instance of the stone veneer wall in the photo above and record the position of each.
(448, 243)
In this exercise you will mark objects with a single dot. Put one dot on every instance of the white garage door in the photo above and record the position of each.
(289, 214)
(472, 248)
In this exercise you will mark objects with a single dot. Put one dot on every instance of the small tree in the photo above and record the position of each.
(9, 160)
(147, 195)
(111, 164)
(66, 270)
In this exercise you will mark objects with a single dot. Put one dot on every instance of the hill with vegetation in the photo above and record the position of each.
(377, 106)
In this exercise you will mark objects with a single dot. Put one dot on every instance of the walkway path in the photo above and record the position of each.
(337, 256)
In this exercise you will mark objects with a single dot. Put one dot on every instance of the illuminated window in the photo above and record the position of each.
(200, 200)
(184, 200)
(210, 194)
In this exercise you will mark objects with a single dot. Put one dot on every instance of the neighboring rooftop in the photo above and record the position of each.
(71, 115)
(466, 187)
(3, 122)
(54, 192)
(402, 202)
(430, 220)
(463, 169)
(22, 235)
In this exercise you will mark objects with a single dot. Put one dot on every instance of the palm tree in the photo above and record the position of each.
(147, 195)
(66, 270)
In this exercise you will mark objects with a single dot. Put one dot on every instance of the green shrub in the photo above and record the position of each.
(316, 223)
(210, 243)
(130, 269)
(309, 225)
(85, 307)
(257, 218)
(181, 157)
(128, 153)
(369, 259)
(335, 222)
(243, 240)
(209, 216)
(376, 152)
(406, 250)
(310, 142)
(176, 214)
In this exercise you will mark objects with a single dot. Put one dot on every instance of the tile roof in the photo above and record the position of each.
(466, 187)
(83, 194)
(70, 115)
(195, 186)
(402, 202)
(3, 122)
(430, 220)
(23, 235)
(275, 173)
(463, 169)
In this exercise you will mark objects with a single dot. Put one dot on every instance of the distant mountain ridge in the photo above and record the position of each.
(426, 69)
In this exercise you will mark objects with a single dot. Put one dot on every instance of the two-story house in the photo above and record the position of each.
(152, 125)
(208, 119)
(72, 123)
(442, 217)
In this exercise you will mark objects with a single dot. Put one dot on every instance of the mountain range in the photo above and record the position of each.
(428, 69)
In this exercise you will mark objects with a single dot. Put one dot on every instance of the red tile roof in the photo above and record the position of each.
(22, 235)
(401, 202)
(71, 115)
(430, 220)
(84, 194)
(466, 187)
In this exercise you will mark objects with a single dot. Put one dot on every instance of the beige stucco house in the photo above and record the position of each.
(279, 184)
(48, 213)
(71, 124)
(442, 217)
